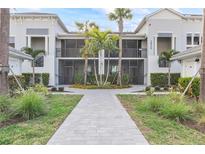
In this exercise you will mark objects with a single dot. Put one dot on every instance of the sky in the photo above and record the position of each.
(100, 16)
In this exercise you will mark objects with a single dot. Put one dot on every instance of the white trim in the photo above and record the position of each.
(113, 58)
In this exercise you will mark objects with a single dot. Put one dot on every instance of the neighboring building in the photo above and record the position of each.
(190, 61)
(16, 59)
(157, 32)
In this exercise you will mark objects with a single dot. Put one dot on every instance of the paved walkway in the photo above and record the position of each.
(99, 118)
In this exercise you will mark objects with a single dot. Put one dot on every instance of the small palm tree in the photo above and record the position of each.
(85, 27)
(99, 41)
(166, 56)
(34, 54)
(119, 15)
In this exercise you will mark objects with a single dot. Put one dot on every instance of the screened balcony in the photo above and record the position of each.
(131, 49)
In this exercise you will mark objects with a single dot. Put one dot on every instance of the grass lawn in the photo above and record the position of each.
(158, 130)
(39, 130)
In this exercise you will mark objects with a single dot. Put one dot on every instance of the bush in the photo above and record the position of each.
(5, 103)
(125, 79)
(161, 79)
(154, 103)
(13, 86)
(78, 78)
(39, 77)
(194, 89)
(150, 92)
(39, 88)
(30, 105)
(175, 111)
(175, 97)
(45, 79)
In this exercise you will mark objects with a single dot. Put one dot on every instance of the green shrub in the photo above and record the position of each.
(175, 111)
(91, 79)
(40, 89)
(45, 79)
(175, 97)
(39, 77)
(5, 103)
(30, 105)
(125, 79)
(78, 78)
(13, 86)
(194, 89)
(154, 103)
(161, 79)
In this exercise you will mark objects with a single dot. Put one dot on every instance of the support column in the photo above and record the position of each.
(155, 45)
(46, 44)
(29, 41)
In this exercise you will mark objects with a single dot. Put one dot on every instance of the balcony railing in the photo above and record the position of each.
(127, 52)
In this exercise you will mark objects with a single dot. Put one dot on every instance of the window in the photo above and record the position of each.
(131, 43)
(196, 39)
(71, 43)
(39, 62)
(189, 39)
(163, 63)
(80, 43)
(12, 41)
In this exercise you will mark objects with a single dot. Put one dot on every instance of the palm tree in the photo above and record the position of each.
(34, 54)
(119, 15)
(97, 42)
(4, 49)
(85, 27)
(166, 56)
(202, 70)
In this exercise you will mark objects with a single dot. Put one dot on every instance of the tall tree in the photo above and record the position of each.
(4, 49)
(202, 70)
(166, 56)
(85, 27)
(34, 54)
(119, 15)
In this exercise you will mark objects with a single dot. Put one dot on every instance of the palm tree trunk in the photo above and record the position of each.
(4, 49)
(85, 70)
(33, 65)
(202, 70)
(95, 71)
(108, 68)
(119, 80)
(169, 74)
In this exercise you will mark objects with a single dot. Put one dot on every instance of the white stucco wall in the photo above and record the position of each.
(16, 65)
(18, 30)
(189, 67)
(167, 22)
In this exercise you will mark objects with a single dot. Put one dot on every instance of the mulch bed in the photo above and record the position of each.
(11, 121)
(194, 125)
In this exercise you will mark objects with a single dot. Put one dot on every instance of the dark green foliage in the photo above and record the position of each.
(161, 79)
(193, 89)
(5, 103)
(39, 77)
(45, 79)
(125, 79)
(78, 78)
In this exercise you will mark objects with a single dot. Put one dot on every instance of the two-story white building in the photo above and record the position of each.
(160, 31)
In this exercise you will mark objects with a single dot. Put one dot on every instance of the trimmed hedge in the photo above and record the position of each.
(44, 77)
(161, 79)
(194, 89)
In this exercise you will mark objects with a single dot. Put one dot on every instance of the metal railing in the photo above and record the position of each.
(127, 52)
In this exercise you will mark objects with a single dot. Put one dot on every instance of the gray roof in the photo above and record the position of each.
(189, 53)
(40, 14)
(18, 54)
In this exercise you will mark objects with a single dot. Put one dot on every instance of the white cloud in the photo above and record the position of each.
(28, 10)
(141, 11)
